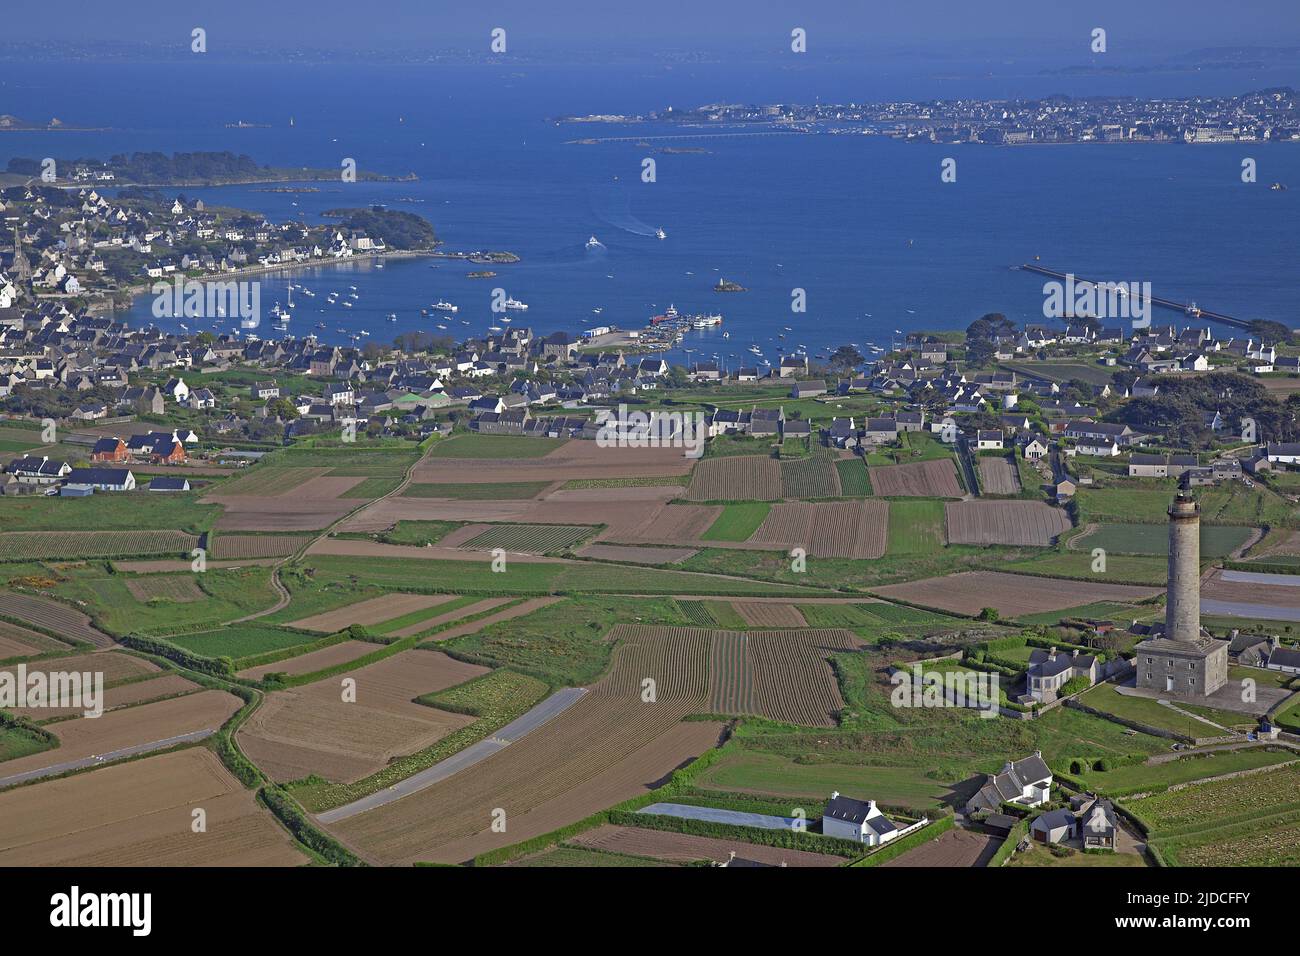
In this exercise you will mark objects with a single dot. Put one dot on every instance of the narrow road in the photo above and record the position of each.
(97, 759)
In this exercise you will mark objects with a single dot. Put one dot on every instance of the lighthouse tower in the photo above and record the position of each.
(1183, 606)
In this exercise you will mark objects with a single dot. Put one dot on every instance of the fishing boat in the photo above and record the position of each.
(515, 305)
(442, 305)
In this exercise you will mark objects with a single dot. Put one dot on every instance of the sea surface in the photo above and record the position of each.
(863, 224)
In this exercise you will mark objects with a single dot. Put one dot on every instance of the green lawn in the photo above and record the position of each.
(737, 521)
(107, 511)
(1039, 855)
(418, 533)
(1139, 777)
(915, 527)
(494, 446)
(1144, 710)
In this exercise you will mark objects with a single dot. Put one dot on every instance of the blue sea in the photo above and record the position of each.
(863, 224)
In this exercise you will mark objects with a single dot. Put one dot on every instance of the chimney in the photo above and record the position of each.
(835, 794)
(871, 808)
(1051, 654)
(1076, 653)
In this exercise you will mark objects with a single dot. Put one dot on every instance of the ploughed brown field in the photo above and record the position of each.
(1023, 523)
(1220, 586)
(671, 524)
(686, 848)
(357, 548)
(53, 616)
(921, 479)
(136, 692)
(736, 478)
(374, 610)
(60, 545)
(313, 730)
(767, 614)
(313, 660)
(849, 529)
(612, 744)
(998, 476)
(636, 555)
(113, 664)
(116, 730)
(954, 848)
(18, 641)
(289, 513)
(227, 546)
(478, 607)
(509, 614)
(573, 459)
(969, 592)
(140, 814)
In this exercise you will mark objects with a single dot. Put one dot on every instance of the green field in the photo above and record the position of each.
(241, 640)
(1102, 611)
(533, 538)
(1039, 855)
(1120, 568)
(1216, 541)
(108, 511)
(915, 527)
(425, 614)
(15, 743)
(737, 521)
(1063, 371)
(487, 491)
(418, 533)
(1140, 777)
(1144, 710)
(855, 482)
(1147, 501)
(494, 446)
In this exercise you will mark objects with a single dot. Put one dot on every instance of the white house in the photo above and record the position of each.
(101, 479)
(855, 820)
(1035, 449)
(1026, 782)
(988, 439)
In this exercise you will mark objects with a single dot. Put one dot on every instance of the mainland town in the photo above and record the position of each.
(1008, 595)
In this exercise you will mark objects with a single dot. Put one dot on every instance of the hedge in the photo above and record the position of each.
(786, 839)
(1018, 833)
(290, 814)
(216, 666)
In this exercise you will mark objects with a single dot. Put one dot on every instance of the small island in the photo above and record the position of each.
(726, 285)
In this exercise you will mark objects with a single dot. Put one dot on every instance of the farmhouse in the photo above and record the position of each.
(807, 389)
(855, 820)
(166, 483)
(1025, 782)
(1050, 669)
(1034, 449)
(38, 471)
(100, 479)
(988, 439)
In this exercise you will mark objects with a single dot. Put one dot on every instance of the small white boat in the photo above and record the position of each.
(594, 243)
(515, 305)
(444, 306)
(660, 234)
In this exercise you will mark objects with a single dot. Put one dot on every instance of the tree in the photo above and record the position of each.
(846, 357)
(989, 614)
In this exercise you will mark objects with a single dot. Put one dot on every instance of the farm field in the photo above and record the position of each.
(313, 731)
(528, 538)
(968, 592)
(627, 554)
(925, 479)
(88, 736)
(736, 478)
(1245, 593)
(240, 640)
(18, 641)
(810, 478)
(120, 695)
(1128, 568)
(270, 481)
(963, 848)
(1254, 820)
(571, 460)
(849, 529)
(854, 480)
(371, 611)
(573, 857)
(1016, 523)
(1216, 541)
(110, 511)
(765, 614)
(737, 521)
(495, 446)
(129, 815)
(687, 848)
(915, 528)
(602, 749)
(115, 665)
(181, 589)
(63, 545)
(477, 491)
(313, 661)
(231, 546)
(52, 616)
(998, 476)
(1184, 770)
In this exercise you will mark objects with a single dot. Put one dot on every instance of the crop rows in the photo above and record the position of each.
(530, 538)
(1023, 523)
(51, 616)
(809, 478)
(857, 529)
(923, 479)
(1254, 795)
(731, 678)
(696, 613)
(998, 476)
(793, 682)
(736, 478)
(233, 546)
(64, 545)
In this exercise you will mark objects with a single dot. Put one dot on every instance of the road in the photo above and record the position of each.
(97, 759)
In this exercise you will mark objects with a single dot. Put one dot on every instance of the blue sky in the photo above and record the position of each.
(1014, 27)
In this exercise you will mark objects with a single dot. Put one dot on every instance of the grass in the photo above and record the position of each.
(108, 511)
(415, 617)
(418, 533)
(1039, 855)
(1063, 371)
(572, 856)
(574, 484)
(737, 521)
(495, 446)
(1140, 777)
(521, 578)
(1216, 541)
(563, 644)
(915, 527)
(1100, 611)
(241, 640)
(15, 743)
(724, 614)
(1120, 568)
(373, 487)
(1146, 501)
(1144, 710)
(488, 491)
(855, 482)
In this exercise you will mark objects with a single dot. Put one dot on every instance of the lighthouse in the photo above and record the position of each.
(1183, 605)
